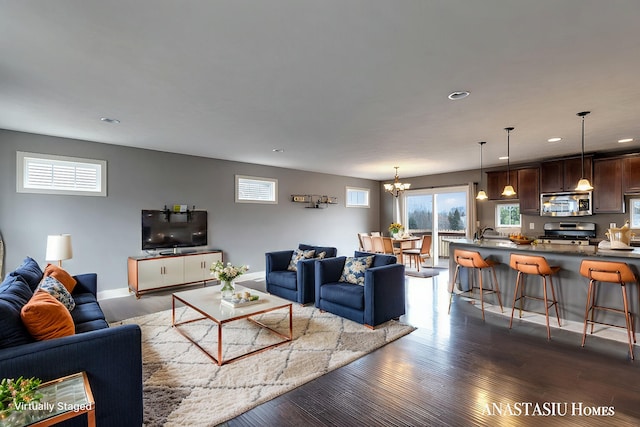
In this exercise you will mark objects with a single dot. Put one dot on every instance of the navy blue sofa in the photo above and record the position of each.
(298, 285)
(381, 299)
(111, 357)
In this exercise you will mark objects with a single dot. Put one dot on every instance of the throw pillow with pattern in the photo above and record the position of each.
(299, 255)
(354, 268)
(321, 255)
(58, 291)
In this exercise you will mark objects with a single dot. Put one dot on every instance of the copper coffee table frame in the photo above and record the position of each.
(206, 301)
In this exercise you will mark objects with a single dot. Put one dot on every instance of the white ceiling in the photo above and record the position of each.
(347, 87)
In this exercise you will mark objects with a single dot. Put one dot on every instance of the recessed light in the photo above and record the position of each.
(554, 139)
(108, 120)
(278, 150)
(503, 158)
(625, 140)
(459, 94)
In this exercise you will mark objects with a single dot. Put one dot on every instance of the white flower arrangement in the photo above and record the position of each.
(228, 272)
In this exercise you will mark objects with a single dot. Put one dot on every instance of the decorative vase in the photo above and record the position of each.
(227, 290)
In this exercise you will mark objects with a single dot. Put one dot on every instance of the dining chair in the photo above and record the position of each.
(389, 248)
(360, 241)
(375, 234)
(417, 254)
(367, 243)
(378, 244)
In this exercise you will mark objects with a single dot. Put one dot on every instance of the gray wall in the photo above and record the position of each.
(106, 230)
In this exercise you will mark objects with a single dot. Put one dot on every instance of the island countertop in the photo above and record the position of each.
(581, 250)
(571, 286)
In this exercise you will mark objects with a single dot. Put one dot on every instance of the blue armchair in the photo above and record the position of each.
(298, 285)
(382, 297)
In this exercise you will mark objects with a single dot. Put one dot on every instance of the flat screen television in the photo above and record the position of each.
(166, 229)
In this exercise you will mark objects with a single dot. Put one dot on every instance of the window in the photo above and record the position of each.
(49, 174)
(508, 215)
(250, 189)
(357, 197)
(634, 207)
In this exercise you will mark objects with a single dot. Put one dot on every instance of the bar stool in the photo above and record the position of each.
(538, 265)
(609, 272)
(474, 261)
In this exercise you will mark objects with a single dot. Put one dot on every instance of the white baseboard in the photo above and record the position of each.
(124, 292)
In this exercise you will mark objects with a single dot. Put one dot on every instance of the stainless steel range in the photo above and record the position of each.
(568, 233)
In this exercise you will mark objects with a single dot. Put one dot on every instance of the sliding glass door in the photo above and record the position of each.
(441, 212)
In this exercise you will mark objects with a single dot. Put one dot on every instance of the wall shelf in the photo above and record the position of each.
(314, 201)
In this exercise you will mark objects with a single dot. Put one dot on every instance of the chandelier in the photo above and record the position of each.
(397, 187)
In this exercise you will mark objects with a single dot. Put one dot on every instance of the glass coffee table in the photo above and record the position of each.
(207, 302)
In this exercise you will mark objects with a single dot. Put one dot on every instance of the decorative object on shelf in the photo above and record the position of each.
(395, 229)
(59, 248)
(583, 184)
(481, 194)
(227, 274)
(508, 189)
(397, 187)
(314, 201)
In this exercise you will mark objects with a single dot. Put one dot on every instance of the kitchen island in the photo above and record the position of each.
(571, 287)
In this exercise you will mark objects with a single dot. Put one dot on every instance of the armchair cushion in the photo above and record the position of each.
(299, 255)
(354, 268)
(346, 294)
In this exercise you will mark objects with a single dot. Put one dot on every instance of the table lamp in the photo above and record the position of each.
(59, 248)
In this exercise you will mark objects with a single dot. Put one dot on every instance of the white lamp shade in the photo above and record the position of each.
(59, 247)
(508, 191)
(584, 185)
(482, 195)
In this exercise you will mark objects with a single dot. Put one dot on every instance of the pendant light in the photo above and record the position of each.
(481, 194)
(583, 184)
(397, 187)
(508, 189)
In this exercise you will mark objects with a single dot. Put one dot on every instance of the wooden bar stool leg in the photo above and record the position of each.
(587, 308)
(626, 316)
(555, 301)
(481, 291)
(522, 296)
(497, 287)
(453, 287)
(593, 305)
(515, 296)
(546, 305)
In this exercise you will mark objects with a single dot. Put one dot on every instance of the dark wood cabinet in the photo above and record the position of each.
(607, 183)
(529, 190)
(563, 175)
(631, 175)
(496, 182)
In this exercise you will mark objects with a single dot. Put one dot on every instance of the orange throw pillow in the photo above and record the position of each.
(61, 276)
(46, 318)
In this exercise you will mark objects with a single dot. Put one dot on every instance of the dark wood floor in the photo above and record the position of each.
(456, 370)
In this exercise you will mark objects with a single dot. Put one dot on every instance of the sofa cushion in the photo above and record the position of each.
(14, 294)
(46, 318)
(299, 255)
(30, 272)
(91, 325)
(87, 312)
(345, 294)
(57, 290)
(354, 268)
(61, 275)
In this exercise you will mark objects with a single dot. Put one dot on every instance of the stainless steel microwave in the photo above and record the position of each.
(566, 204)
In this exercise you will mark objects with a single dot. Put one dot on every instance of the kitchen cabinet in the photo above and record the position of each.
(151, 273)
(529, 190)
(607, 186)
(631, 175)
(496, 182)
(563, 175)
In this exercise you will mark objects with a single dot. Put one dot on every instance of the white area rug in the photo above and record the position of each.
(183, 387)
